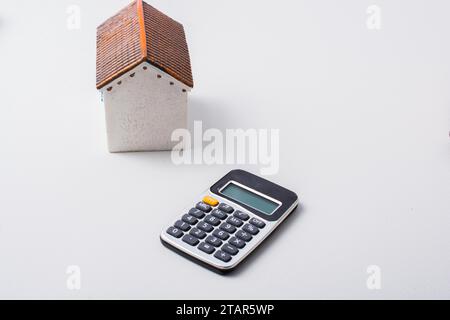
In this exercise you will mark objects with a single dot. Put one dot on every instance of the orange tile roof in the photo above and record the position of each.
(140, 33)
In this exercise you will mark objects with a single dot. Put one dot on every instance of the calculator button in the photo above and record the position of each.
(206, 248)
(193, 241)
(241, 215)
(250, 229)
(228, 248)
(225, 207)
(219, 214)
(205, 226)
(222, 256)
(244, 235)
(189, 219)
(182, 225)
(177, 233)
(197, 233)
(214, 241)
(237, 242)
(196, 213)
(257, 223)
(228, 227)
(203, 206)
(212, 220)
(221, 234)
(211, 201)
(235, 221)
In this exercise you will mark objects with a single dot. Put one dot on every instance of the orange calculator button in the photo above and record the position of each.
(211, 201)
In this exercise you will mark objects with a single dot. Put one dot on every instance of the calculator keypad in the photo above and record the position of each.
(212, 220)
(177, 233)
(235, 221)
(193, 241)
(219, 214)
(230, 249)
(198, 233)
(189, 219)
(209, 229)
(241, 215)
(205, 226)
(221, 234)
(257, 223)
(182, 225)
(225, 257)
(210, 200)
(250, 229)
(226, 208)
(244, 235)
(196, 213)
(228, 227)
(206, 248)
(238, 243)
(216, 242)
(203, 207)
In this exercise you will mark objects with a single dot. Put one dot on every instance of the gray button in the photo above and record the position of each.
(205, 226)
(182, 225)
(241, 215)
(228, 248)
(257, 223)
(228, 227)
(203, 206)
(196, 213)
(250, 229)
(244, 235)
(214, 241)
(212, 220)
(174, 232)
(206, 248)
(235, 221)
(219, 214)
(197, 233)
(189, 219)
(222, 256)
(225, 207)
(193, 241)
(221, 234)
(237, 242)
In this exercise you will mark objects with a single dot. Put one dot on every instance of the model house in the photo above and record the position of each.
(144, 75)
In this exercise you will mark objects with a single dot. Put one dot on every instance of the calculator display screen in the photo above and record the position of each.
(249, 198)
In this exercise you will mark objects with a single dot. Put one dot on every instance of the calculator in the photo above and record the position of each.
(223, 225)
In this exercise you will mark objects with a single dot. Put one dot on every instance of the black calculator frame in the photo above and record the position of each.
(286, 197)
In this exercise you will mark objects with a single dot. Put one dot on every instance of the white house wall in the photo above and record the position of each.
(143, 110)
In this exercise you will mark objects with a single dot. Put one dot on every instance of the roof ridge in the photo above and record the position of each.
(142, 35)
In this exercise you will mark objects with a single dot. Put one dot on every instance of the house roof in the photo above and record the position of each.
(141, 33)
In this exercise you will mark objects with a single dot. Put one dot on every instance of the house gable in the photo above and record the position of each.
(143, 107)
(147, 70)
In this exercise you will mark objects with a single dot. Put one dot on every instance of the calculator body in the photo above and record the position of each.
(222, 226)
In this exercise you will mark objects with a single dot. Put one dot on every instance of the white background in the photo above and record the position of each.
(364, 119)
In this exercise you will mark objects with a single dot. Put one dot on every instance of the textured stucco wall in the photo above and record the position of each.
(142, 111)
